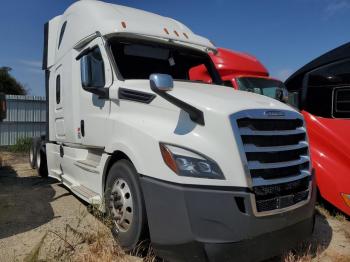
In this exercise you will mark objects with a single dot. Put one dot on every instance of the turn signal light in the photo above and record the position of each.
(168, 158)
(346, 198)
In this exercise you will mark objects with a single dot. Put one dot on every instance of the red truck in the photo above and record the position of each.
(321, 91)
(242, 72)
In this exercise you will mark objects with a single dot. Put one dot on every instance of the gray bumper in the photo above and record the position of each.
(212, 224)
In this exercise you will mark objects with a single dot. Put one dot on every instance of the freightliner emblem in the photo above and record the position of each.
(274, 113)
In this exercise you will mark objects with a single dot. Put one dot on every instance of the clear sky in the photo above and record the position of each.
(283, 34)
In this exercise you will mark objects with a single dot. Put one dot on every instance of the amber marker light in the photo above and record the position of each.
(176, 33)
(185, 35)
(166, 31)
(346, 198)
(123, 24)
(168, 158)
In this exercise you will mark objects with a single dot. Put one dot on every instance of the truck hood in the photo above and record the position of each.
(213, 98)
(222, 99)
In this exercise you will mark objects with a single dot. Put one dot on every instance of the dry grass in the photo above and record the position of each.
(81, 244)
(330, 213)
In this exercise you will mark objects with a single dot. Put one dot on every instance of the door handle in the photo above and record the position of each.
(82, 127)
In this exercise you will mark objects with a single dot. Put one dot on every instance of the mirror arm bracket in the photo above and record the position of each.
(195, 114)
(102, 93)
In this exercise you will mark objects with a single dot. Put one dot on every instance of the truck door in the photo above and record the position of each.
(94, 110)
(58, 98)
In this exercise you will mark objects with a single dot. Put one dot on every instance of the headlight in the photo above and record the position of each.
(190, 164)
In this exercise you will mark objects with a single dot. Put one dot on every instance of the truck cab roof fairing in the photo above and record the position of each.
(295, 81)
(84, 18)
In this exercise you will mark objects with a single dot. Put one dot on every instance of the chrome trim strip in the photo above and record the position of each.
(259, 181)
(258, 165)
(247, 131)
(250, 148)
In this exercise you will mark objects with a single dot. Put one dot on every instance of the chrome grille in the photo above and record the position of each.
(275, 152)
(274, 148)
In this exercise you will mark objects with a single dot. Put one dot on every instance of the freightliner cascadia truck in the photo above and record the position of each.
(205, 173)
(325, 104)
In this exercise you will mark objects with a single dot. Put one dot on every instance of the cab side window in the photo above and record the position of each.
(58, 89)
(92, 69)
(63, 29)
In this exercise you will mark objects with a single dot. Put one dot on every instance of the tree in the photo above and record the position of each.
(8, 84)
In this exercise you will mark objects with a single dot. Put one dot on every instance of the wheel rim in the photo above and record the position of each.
(38, 160)
(31, 156)
(121, 203)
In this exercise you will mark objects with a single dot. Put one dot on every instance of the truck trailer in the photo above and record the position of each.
(205, 173)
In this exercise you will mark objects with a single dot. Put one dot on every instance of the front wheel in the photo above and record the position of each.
(125, 205)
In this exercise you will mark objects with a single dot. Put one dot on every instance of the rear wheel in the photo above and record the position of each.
(125, 205)
(41, 162)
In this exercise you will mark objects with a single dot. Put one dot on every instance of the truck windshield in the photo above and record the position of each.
(260, 86)
(137, 59)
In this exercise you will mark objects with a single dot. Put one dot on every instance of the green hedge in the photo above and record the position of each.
(22, 145)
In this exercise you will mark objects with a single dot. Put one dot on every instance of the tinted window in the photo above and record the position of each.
(322, 83)
(228, 83)
(138, 60)
(260, 86)
(63, 29)
(58, 89)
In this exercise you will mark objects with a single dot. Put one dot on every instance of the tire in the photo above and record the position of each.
(41, 162)
(125, 205)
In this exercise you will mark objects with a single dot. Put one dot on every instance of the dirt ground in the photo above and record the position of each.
(38, 216)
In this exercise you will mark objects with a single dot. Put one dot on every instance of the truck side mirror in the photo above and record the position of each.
(93, 75)
(282, 94)
(2, 106)
(161, 82)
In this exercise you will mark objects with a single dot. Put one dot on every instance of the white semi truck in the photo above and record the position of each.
(206, 173)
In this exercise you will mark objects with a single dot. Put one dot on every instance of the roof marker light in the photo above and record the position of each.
(123, 24)
(166, 31)
(185, 35)
(176, 33)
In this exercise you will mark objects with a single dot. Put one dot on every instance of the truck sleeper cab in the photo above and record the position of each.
(209, 173)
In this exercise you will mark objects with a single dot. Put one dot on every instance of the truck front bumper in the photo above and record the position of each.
(189, 223)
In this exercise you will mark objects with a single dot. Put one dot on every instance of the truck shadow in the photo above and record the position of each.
(311, 248)
(24, 201)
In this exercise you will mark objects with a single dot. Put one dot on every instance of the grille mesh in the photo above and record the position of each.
(282, 195)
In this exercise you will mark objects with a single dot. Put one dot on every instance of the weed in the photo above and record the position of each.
(34, 255)
(22, 145)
